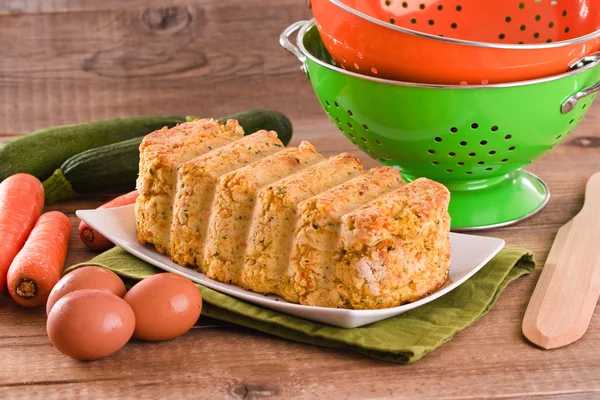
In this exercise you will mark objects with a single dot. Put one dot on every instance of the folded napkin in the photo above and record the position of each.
(402, 339)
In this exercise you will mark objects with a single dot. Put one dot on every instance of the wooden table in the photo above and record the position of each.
(69, 61)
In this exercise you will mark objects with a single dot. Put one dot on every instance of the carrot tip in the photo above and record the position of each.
(26, 288)
(88, 235)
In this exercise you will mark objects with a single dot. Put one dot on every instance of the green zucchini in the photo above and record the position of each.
(114, 167)
(42, 152)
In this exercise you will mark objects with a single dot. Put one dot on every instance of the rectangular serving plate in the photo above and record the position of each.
(469, 254)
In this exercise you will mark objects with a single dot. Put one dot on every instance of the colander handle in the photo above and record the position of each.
(571, 103)
(284, 40)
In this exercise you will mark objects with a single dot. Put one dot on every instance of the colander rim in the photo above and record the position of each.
(311, 24)
(472, 43)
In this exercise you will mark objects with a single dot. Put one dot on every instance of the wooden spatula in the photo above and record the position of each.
(567, 291)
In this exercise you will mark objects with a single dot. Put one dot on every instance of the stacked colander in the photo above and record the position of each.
(466, 92)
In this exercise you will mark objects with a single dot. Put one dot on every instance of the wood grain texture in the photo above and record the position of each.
(73, 60)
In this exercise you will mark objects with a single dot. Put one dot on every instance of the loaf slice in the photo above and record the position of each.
(234, 205)
(317, 242)
(268, 257)
(161, 153)
(396, 249)
(197, 180)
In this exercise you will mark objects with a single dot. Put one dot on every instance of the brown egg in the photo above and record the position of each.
(86, 278)
(165, 306)
(90, 324)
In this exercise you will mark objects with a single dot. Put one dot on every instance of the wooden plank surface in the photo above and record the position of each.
(69, 61)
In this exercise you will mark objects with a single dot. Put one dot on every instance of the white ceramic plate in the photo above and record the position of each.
(469, 254)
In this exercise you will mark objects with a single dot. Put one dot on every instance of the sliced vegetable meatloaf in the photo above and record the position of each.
(287, 221)
(161, 153)
(235, 204)
(395, 249)
(317, 245)
(270, 242)
(197, 181)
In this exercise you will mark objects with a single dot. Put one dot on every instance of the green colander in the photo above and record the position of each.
(473, 139)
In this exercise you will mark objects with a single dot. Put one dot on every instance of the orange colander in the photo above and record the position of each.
(471, 42)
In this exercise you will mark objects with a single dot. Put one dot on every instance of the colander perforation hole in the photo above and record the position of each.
(549, 41)
(508, 19)
(440, 7)
(494, 128)
(492, 152)
(507, 137)
(388, 3)
(504, 160)
(567, 29)
(449, 170)
(392, 21)
(438, 139)
(480, 162)
(460, 163)
(483, 142)
(584, 106)
(536, 35)
(564, 13)
(459, 8)
(501, 36)
(451, 154)
(364, 139)
(472, 154)
(485, 81)
(378, 142)
(489, 169)
(538, 17)
(350, 113)
(454, 25)
(405, 4)
(571, 121)
(522, 27)
(453, 130)
(468, 172)
(366, 128)
(350, 125)
(435, 162)
(550, 24)
(344, 58)
(338, 120)
(463, 143)
(422, 6)
(431, 22)
(558, 137)
(327, 102)
(521, 5)
(335, 103)
(374, 70)
(359, 55)
(431, 151)
(356, 65)
(511, 148)
(474, 125)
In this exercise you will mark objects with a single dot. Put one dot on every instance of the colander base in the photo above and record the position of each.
(500, 201)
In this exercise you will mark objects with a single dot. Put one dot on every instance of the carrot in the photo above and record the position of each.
(39, 264)
(21, 203)
(94, 240)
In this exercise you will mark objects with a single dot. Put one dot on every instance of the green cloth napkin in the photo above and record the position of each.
(401, 339)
